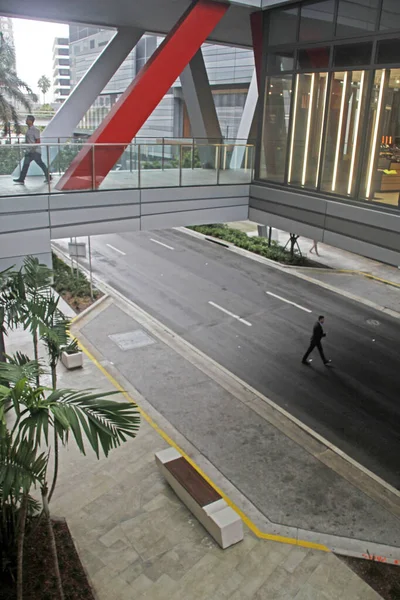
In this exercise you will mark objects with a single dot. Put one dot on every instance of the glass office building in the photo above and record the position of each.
(331, 100)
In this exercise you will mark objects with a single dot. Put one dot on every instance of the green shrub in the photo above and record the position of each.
(258, 245)
(68, 281)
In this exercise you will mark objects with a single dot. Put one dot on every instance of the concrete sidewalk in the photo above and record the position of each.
(135, 538)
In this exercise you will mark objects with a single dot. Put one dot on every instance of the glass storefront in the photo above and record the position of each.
(331, 118)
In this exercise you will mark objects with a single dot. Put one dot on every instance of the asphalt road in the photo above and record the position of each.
(237, 311)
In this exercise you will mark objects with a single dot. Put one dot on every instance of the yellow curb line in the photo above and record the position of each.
(257, 532)
(367, 275)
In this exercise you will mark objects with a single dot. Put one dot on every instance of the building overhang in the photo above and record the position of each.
(153, 16)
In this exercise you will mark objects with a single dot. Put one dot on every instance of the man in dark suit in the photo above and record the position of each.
(317, 335)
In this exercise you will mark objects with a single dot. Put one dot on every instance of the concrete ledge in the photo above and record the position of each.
(219, 519)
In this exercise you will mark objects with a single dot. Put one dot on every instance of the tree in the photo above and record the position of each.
(44, 86)
(13, 90)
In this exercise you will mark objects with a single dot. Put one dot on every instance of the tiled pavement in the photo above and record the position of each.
(137, 541)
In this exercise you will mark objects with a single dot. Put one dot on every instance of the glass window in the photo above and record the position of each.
(344, 128)
(275, 128)
(305, 146)
(314, 58)
(282, 26)
(388, 52)
(92, 42)
(316, 21)
(390, 16)
(349, 55)
(381, 181)
(356, 16)
(280, 61)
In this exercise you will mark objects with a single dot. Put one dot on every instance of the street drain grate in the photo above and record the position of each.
(131, 340)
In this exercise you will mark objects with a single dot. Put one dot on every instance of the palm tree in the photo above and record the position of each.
(10, 286)
(44, 84)
(13, 91)
(20, 468)
(34, 410)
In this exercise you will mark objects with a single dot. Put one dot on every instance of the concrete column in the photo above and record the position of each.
(245, 123)
(86, 91)
(200, 106)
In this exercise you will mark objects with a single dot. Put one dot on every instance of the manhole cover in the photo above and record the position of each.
(132, 339)
(373, 322)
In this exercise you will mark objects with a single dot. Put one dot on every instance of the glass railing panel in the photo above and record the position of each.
(11, 157)
(60, 157)
(235, 164)
(124, 171)
(199, 164)
(159, 165)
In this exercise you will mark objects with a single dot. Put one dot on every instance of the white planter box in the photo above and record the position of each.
(72, 361)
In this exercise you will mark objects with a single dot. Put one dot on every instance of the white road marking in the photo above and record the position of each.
(116, 249)
(228, 312)
(289, 302)
(161, 244)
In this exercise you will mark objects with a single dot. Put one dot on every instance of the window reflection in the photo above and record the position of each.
(276, 126)
(306, 136)
(381, 182)
(342, 146)
(355, 17)
(390, 17)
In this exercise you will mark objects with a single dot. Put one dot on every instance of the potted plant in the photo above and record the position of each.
(71, 356)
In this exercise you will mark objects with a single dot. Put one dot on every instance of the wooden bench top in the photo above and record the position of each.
(199, 489)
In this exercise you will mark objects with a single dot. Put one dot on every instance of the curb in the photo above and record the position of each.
(290, 269)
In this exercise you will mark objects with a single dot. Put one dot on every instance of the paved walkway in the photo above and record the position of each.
(136, 540)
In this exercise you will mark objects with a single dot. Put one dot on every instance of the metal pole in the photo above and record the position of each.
(90, 269)
(93, 169)
(138, 164)
(192, 154)
(246, 157)
(217, 161)
(225, 150)
(180, 165)
(162, 156)
(130, 157)
(48, 168)
(269, 236)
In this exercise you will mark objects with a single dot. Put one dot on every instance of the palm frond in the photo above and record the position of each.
(20, 465)
(20, 367)
(105, 423)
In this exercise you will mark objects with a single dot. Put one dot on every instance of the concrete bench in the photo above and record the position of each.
(219, 519)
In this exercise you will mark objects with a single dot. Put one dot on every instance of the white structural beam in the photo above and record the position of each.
(76, 105)
(199, 100)
(245, 123)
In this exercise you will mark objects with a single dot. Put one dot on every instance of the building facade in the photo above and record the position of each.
(229, 71)
(61, 69)
(329, 139)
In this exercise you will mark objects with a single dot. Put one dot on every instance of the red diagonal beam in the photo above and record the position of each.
(143, 95)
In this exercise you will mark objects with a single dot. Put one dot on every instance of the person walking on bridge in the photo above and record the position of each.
(317, 335)
(34, 152)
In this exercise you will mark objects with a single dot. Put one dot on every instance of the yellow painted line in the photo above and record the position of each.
(170, 442)
(367, 275)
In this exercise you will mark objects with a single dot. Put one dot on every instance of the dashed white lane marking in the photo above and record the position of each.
(228, 312)
(289, 302)
(161, 244)
(116, 249)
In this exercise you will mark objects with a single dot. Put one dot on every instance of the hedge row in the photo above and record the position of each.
(258, 245)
